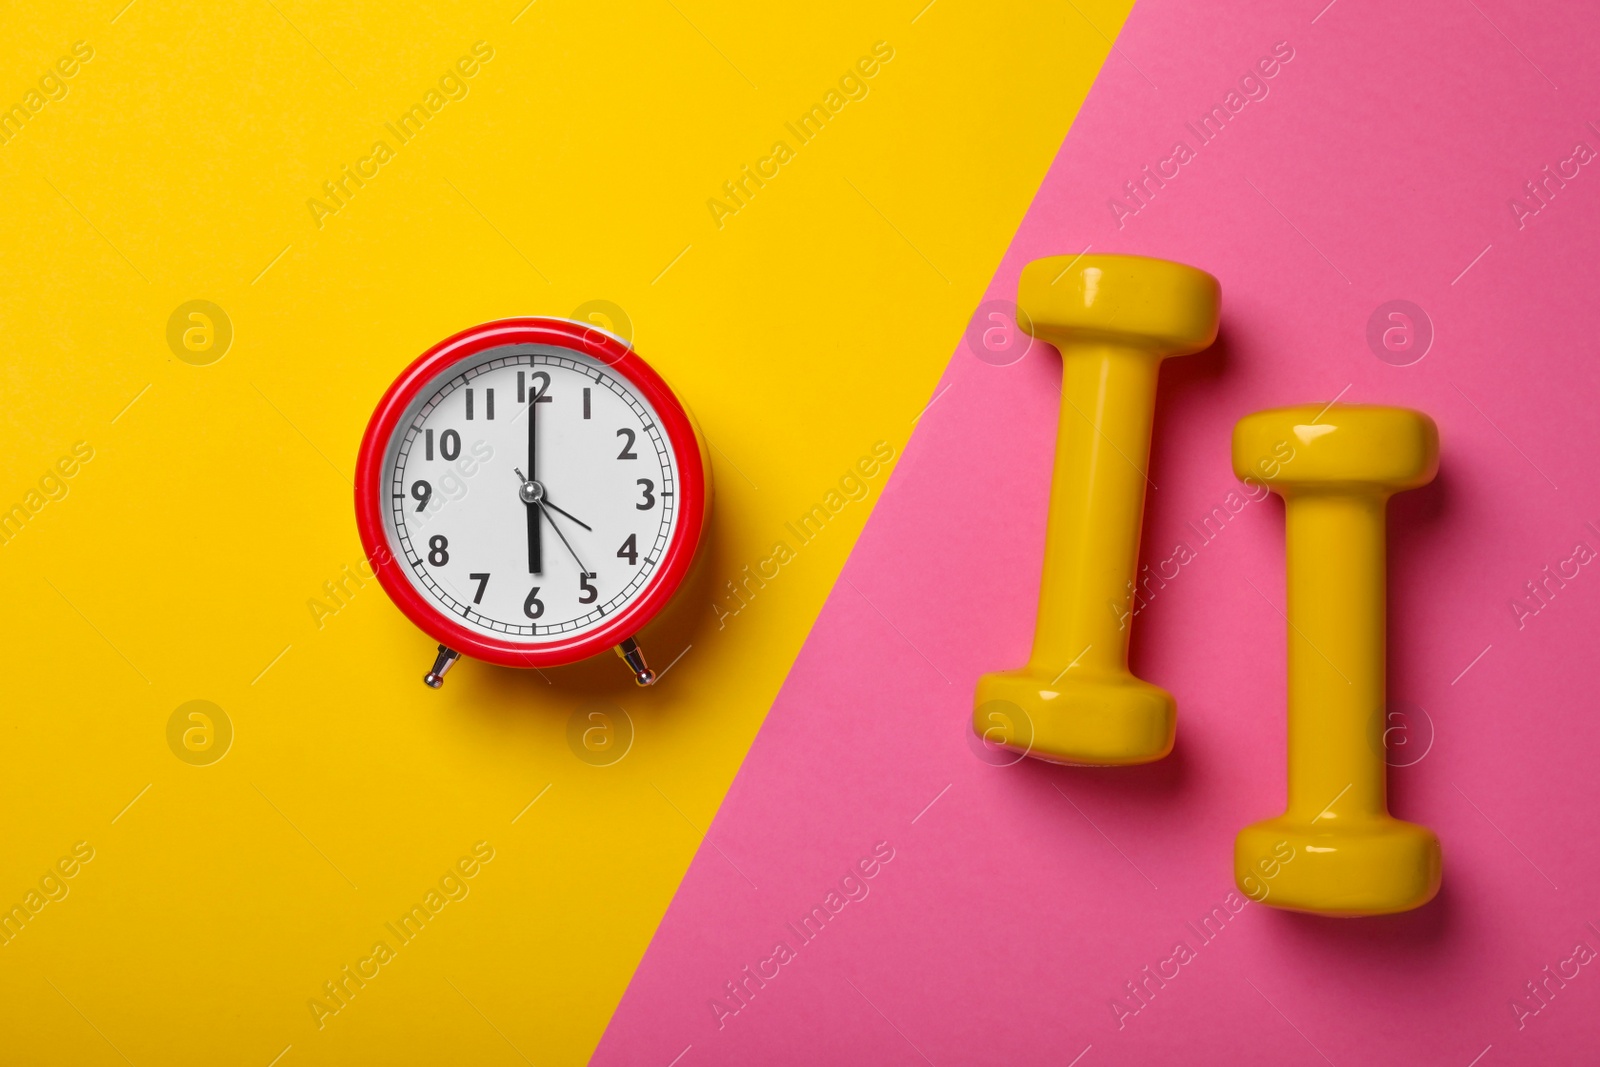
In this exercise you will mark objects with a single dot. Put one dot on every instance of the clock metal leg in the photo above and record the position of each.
(441, 666)
(633, 656)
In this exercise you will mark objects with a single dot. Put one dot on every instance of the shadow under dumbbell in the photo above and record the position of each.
(1417, 569)
(1155, 785)
(1401, 943)
(1185, 385)
(1181, 379)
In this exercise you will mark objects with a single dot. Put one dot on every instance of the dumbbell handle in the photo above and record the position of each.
(1336, 590)
(1096, 505)
(1113, 319)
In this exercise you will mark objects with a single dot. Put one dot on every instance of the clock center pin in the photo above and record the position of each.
(530, 492)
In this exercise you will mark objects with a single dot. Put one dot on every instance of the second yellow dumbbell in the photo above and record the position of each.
(1337, 850)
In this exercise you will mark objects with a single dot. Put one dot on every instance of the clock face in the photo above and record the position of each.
(530, 492)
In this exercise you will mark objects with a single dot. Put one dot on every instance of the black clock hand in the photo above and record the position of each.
(563, 537)
(535, 546)
(531, 490)
(529, 495)
(569, 515)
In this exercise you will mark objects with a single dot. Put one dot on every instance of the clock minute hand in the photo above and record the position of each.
(568, 514)
(530, 483)
(535, 545)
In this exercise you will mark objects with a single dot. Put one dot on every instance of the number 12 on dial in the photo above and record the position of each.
(530, 492)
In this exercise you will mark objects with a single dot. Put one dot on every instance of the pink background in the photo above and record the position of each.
(1018, 905)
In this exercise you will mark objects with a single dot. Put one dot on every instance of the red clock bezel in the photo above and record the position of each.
(621, 360)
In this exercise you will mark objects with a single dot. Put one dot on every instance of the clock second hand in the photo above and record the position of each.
(564, 541)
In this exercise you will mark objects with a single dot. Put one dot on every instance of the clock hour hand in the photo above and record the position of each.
(529, 494)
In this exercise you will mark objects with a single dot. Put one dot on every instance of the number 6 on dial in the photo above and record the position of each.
(492, 467)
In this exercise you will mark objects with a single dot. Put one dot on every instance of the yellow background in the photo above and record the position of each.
(180, 564)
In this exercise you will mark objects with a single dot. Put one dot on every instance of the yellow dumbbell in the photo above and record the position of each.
(1114, 318)
(1337, 850)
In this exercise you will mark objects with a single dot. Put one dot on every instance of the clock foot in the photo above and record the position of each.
(633, 656)
(441, 665)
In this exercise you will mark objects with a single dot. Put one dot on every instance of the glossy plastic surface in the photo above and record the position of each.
(688, 450)
(1114, 319)
(1336, 850)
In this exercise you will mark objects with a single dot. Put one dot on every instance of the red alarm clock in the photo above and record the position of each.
(530, 492)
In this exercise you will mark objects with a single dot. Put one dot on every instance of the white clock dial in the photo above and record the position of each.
(491, 527)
